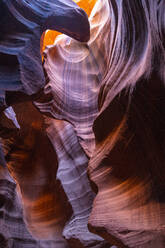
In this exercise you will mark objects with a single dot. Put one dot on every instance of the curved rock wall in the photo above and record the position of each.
(90, 171)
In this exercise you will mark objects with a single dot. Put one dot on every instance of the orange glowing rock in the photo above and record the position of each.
(87, 5)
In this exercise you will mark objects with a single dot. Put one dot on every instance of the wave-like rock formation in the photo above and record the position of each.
(127, 166)
(74, 77)
(123, 63)
(56, 197)
(50, 35)
(13, 228)
(91, 172)
(32, 162)
(22, 25)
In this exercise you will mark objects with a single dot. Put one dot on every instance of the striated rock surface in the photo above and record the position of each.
(22, 25)
(72, 173)
(127, 166)
(13, 229)
(44, 201)
(32, 162)
(74, 78)
(107, 115)
(50, 35)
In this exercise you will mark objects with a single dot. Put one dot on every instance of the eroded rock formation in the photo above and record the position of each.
(104, 114)
(22, 25)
